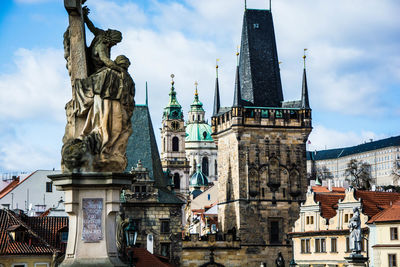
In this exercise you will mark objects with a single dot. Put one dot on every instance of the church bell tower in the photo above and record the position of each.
(173, 133)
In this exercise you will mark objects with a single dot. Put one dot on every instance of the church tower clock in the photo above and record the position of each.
(173, 133)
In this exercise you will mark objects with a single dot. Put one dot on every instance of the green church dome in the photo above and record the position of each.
(198, 132)
(198, 179)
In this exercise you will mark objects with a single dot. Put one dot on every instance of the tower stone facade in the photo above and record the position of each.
(173, 134)
(261, 148)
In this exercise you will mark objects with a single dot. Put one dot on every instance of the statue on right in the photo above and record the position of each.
(355, 238)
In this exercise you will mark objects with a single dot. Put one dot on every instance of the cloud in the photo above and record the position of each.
(326, 138)
(38, 89)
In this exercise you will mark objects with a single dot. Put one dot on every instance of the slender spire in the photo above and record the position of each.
(237, 95)
(217, 103)
(245, 4)
(305, 104)
(147, 96)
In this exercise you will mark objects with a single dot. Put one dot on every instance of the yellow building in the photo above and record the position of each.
(384, 237)
(320, 235)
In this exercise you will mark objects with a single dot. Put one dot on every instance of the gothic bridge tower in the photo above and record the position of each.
(261, 147)
(173, 133)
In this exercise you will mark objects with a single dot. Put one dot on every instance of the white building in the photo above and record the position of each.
(199, 145)
(33, 194)
(381, 155)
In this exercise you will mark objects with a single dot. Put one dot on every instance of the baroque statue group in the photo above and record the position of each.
(99, 113)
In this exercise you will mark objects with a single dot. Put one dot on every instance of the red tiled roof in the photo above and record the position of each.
(42, 240)
(146, 259)
(390, 214)
(338, 189)
(374, 202)
(328, 202)
(319, 189)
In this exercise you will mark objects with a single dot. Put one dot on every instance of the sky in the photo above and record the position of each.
(353, 65)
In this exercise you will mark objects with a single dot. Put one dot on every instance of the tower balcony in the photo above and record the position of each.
(268, 117)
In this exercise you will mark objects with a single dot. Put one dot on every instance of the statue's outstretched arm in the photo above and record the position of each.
(89, 23)
(107, 61)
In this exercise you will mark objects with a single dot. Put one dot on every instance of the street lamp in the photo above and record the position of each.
(131, 235)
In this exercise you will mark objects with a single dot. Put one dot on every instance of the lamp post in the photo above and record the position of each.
(131, 235)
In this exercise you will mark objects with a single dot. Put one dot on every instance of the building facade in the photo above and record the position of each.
(321, 233)
(382, 155)
(150, 201)
(173, 134)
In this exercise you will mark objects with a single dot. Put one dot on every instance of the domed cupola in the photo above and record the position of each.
(173, 110)
(198, 179)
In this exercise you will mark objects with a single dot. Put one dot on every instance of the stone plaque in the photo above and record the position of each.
(92, 217)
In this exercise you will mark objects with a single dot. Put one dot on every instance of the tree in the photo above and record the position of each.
(324, 173)
(396, 171)
(359, 174)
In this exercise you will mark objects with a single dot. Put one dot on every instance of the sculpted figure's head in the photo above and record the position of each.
(112, 37)
(122, 61)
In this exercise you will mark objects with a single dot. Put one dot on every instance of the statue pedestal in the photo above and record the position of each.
(92, 203)
(356, 260)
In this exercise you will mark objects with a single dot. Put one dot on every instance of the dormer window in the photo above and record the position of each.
(17, 233)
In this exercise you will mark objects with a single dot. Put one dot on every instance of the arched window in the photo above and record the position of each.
(175, 144)
(215, 168)
(177, 181)
(204, 166)
(198, 117)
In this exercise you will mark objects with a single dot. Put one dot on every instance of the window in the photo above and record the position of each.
(204, 166)
(177, 181)
(333, 244)
(347, 244)
(346, 218)
(144, 189)
(274, 233)
(310, 220)
(256, 25)
(263, 192)
(305, 246)
(49, 187)
(320, 245)
(394, 233)
(392, 260)
(209, 197)
(19, 265)
(165, 248)
(164, 226)
(175, 144)
(64, 237)
(216, 168)
(41, 264)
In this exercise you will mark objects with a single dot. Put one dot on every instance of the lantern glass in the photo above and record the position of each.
(131, 234)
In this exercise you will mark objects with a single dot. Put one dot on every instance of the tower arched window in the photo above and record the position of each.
(215, 168)
(177, 181)
(198, 117)
(164, 148)
(204, 166)
(175, 144)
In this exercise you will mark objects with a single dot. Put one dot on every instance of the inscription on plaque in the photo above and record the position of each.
(92, 215)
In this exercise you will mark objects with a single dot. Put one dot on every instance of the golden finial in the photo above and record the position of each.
(195, 91)
(237, 55)
(172, 79)
(304, 57)
(280, 62)
(216, 66)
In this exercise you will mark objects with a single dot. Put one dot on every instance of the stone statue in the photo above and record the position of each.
(355, 232)
(280, 261)
(99, 114)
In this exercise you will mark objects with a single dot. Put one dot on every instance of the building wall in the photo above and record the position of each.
(382, 244)
(381, 161)
(33, 191)
(150, 217)
(29, 261)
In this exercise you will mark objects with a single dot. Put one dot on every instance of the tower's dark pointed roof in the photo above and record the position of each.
(259, 67)
(217, 103)
(305, 104)
(237, 97)
(142, 146)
